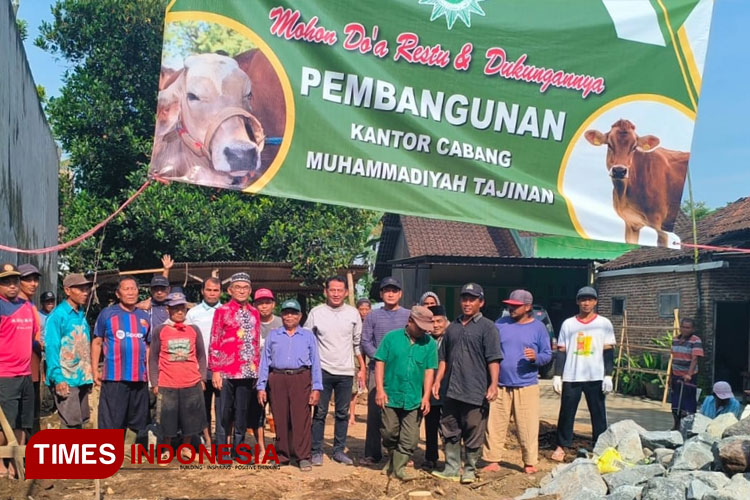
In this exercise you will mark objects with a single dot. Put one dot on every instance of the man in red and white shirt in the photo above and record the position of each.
(234, 358)
(585, 361)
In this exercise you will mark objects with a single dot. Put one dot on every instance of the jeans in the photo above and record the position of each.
(341, 387)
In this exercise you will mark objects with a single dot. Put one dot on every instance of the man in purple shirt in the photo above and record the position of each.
(379, 322)
(290, 370)
(525, 344)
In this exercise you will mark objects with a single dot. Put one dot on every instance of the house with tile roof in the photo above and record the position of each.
(712, 286)
(440, 256)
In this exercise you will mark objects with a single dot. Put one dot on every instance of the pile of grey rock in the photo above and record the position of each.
(706, 460)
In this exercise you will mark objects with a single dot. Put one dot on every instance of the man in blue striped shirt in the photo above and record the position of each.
(122, 332)
(379, 322)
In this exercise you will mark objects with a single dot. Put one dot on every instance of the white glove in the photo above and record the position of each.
(607, 385)
(557, 384)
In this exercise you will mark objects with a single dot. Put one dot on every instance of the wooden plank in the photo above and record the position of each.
(644, 327)
(650, 348)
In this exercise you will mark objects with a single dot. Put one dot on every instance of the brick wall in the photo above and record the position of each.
(641, 294)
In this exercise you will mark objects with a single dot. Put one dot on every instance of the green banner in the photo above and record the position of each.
(572, 118)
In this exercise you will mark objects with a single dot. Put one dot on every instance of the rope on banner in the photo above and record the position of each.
(87, 234)
(716, 249)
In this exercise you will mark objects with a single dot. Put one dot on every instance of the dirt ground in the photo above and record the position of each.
(330, 482)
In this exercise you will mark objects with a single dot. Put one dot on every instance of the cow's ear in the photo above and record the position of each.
(168, 76)
(168, 106)
(647, 143)
(595, 137)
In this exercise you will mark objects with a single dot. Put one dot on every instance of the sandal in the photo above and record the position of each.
(368, 461)
(530, 469)
(558, 455)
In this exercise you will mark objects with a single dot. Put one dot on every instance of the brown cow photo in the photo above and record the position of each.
(219, 120)
(647, 180)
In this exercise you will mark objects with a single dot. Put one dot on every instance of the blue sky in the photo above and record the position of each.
(721, 145)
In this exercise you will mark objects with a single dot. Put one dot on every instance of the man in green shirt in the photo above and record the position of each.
(405, 365)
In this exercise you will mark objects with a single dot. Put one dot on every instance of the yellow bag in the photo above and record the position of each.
(610, 461)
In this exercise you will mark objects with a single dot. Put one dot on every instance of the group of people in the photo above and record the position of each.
(465, 377)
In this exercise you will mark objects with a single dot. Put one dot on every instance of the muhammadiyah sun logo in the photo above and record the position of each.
(454, 9)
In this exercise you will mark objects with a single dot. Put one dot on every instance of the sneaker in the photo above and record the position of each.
(317, 459)
(341, 458)
(305, 465)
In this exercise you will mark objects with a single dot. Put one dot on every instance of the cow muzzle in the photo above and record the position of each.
(204, 148)
(241, 158)
(618, 172)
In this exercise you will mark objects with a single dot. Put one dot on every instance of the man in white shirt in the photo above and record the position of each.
(338, 329)
(202, 316)
(585, 361)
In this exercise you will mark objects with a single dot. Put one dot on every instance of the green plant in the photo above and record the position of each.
(631, 382)
(664, 341)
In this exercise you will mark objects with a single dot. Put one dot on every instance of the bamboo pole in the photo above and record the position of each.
(618, 368)
(676, 327)
(350, 282)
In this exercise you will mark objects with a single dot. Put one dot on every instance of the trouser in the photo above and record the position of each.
(373, 439)
(431, 430)
(288, 397)
(523, 403)
(400, 429)
(209, 393)
(237, 397)
(571, 396)
(341, 387)
(684, 395)
(37, 408)
(123, 405)
(465, 421)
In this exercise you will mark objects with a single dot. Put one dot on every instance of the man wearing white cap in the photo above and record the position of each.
(234, 358)
(585, 361)
(721, 401)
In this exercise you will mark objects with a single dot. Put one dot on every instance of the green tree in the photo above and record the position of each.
(104, 118)
(700, 207)
(23, 28)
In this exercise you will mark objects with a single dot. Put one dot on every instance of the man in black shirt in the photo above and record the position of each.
(469, 364)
